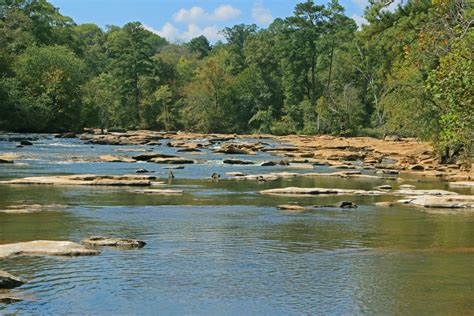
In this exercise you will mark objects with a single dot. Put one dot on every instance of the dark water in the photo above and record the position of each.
(221, 248)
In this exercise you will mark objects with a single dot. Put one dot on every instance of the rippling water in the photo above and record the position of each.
(221, 248)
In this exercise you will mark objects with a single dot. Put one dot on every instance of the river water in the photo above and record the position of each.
(222, 248)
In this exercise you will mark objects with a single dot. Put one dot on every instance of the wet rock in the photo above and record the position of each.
(346, 204)
(412, 192)
(384, 187)
(407, 187)
(317, 191)
(150, 156)
(268, 164)
(142, 171)
(237, 162)
(291, 207)
(5, 161)
(233, 149)
(189, 150)
(26, 143)
(110, 158)
(87, 179)
(174, 167)
(8, 281)
(113, 242)
(387, 171)
(7, 299)
(284, 162)
(172, 160)
(236, 173)
(45, 248)
(161, 191)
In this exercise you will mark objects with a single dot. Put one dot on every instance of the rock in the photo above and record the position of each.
(67, 135)
(188, 150)
(291, 207)
(161, 192)
(346, 204)
(462, 184)
(407, 186)
(236, 173)
(392, 138)
(215, 176)
(284, 162)
(150, 156)
(113, 242)
(411, 192)
(110, 158)
(237, 162)
(26, 143)
(301, 166)
(142, 171)
(417, 168)
(172, 160)
(233, 149)
(5, 161)
(317, 191)
(458, 201)
(384, 204)
(31, 208)
(7, 299)
(268, 164)
(173, 167)
(45, 248)
(8, 281)
(384, 187)
(87, 179)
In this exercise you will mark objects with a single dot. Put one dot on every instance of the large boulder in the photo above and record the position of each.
(8, 281)
(45, 248)
(113, 242)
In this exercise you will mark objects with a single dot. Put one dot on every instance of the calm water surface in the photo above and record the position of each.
(221, 248)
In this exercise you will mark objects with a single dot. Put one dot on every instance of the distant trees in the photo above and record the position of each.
(408, 71)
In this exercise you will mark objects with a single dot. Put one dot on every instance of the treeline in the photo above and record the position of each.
(409, 71)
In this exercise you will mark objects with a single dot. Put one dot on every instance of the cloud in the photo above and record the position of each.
(359, 20)
(261, 15)
(173, 34)
(196, 14)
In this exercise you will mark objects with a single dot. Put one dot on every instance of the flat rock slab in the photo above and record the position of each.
(457, 201)
(291, 207)
(462, 184)
(172, 160)
(8, 281)
(32, 208)
(412, 192)
(113, 242)
(45, 248)
(318, 191)
(87, 179)
(237, 162)
(7, 299)
(150, 156)
(111, 158)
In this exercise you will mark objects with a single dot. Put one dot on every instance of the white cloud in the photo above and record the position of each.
(359, 20)
(173, 34)
(261, 15)
(225, 12)
(196, 14)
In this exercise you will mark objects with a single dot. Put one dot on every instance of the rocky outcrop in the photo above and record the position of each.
(45, 248)
(113, 242)
(8, 281)
(87, 179)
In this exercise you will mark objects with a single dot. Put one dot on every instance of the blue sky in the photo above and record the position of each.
(181, 20)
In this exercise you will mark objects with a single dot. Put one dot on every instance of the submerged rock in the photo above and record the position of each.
(26, 143)
(268, 164)
(31, 208)
(462, 184)
(8, 281)
(7, 299)
(318, 191)
(45, 248)
(346, 204)
(113, 242)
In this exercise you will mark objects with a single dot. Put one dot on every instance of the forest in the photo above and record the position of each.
(409, 71)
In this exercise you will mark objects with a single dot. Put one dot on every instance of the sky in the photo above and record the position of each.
(182, 20)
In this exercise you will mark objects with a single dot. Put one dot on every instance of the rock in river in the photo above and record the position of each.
(8, 281)
(113, 242)
(237, 162)
(291, 207)
(457, 201)
(87, 179)
(317, 191)
(45, 248)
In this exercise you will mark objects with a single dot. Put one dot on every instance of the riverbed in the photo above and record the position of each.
(221, 247)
